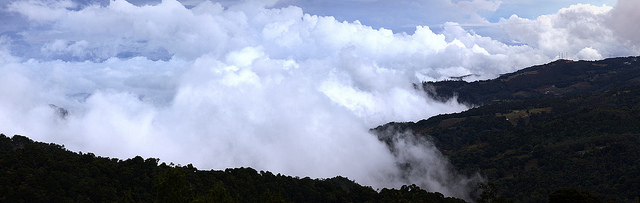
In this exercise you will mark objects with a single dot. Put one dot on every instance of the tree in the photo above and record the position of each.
(491, 194)
(572, 195)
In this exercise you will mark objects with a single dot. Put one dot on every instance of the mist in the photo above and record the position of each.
(248, 84)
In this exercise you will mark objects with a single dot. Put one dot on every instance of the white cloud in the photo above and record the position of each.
(42, 10)
(573, 29)
(589, 53)
(400, 15)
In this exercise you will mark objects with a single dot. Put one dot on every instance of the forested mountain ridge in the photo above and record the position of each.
(556, 79)
(40, 172)
(583, 134)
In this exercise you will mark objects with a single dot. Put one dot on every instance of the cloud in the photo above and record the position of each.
(421, 161)
(42, 10)
(623, 20)
(402, 15)
(244, 85)
(534, 8)
(589, 54)
(253, 84)
(583, 31)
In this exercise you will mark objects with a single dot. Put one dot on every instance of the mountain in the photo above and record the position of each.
(564, 125)
(556, 79)
(39, 172)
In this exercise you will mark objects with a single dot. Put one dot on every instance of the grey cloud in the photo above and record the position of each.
(624, 20)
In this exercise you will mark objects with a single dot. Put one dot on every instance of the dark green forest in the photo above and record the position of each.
(40, 172)
(576, 131)
(531, 148)
(556, 79)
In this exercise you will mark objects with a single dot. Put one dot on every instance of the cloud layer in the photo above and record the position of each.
(581, 31)
(254, 84)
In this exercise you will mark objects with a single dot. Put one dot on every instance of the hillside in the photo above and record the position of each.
(556, 79)
(39, 172)
(561, 125)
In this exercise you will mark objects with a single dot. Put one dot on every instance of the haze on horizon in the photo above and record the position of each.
(287, 86)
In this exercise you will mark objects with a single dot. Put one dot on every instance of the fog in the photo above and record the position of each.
(251, 84)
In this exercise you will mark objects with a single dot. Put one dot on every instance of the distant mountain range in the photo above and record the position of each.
(562, 126)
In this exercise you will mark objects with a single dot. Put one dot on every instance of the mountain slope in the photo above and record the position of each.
(39, 172)
(556, 79)
(585, 135)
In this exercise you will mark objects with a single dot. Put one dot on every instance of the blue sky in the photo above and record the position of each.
(534, 8)
(405, 15)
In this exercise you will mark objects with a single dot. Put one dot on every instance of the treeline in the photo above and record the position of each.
(39, 172)
(532, 148)
(556, 79)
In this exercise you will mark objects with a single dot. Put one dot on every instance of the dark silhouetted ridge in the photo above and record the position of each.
(40, 172)
(556, 79)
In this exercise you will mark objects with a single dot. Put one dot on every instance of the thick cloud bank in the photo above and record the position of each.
(253, 85)
(582, 31)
